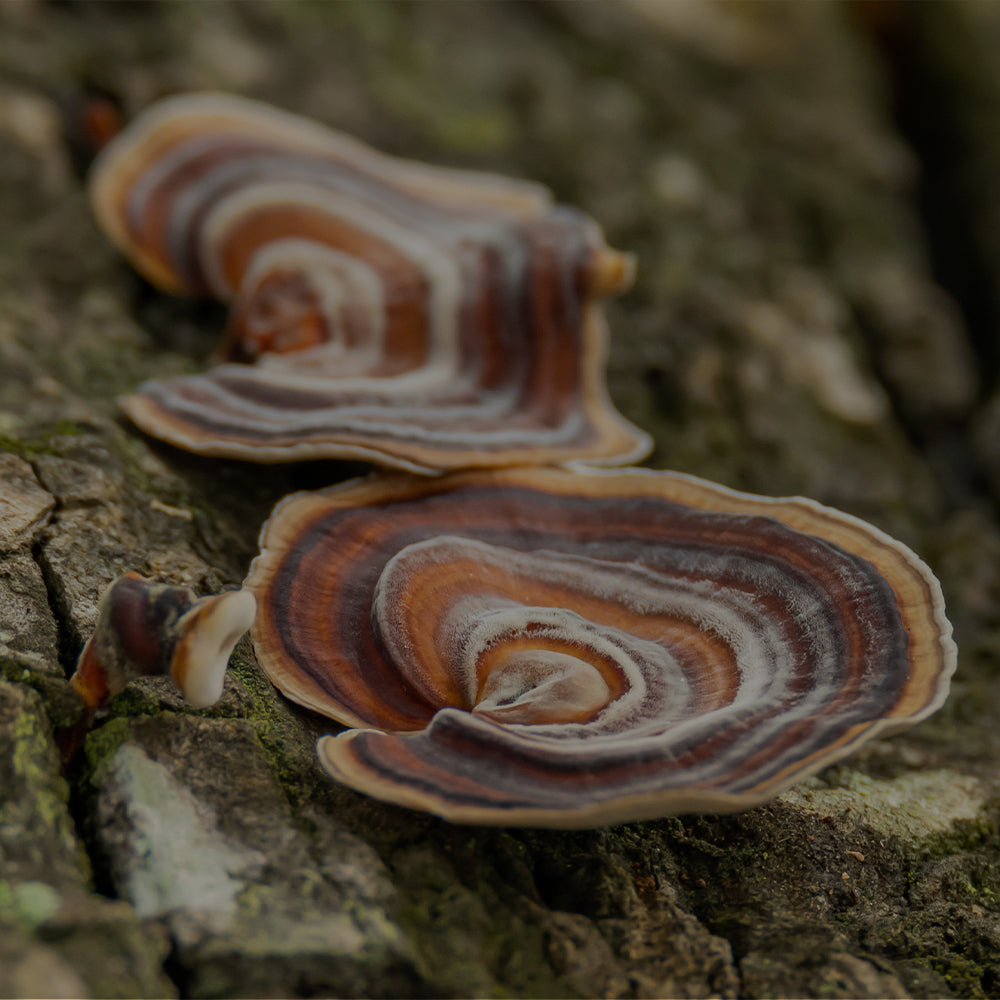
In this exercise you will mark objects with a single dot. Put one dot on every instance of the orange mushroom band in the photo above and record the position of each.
(544, 647)
(146, 628)
(413, 316)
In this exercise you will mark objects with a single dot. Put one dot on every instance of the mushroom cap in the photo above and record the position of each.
(414, 316)
(549, 647)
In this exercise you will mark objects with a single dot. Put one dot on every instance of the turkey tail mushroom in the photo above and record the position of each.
(413, 316)
(555, 648)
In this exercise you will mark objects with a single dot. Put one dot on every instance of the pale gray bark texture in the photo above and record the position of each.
(811, 193)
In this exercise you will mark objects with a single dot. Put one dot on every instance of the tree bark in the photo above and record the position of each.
(788, 334)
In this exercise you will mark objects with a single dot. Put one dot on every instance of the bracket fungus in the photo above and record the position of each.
(417, 317)
(146, 628)
(548, 647)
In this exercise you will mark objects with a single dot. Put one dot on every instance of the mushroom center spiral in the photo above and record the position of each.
(522, 639)
(298, 295)
(542, 685)
(534, 665)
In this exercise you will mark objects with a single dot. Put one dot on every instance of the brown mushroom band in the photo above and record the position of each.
(556, 648)
(412, 316)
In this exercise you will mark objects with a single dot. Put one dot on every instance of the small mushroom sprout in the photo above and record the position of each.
(569, 648)
(146, 628)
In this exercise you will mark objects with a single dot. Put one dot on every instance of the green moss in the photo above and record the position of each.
(35, 764)
(37, 803)
(287, 736)
(951, 935)
(981, 832)
(103, 742)
(468, 941)
(28, 904)
(63, 705)
(42, 440)
(243, 666)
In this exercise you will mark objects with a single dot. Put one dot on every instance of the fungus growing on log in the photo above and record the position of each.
(413, 316)
(146, 628)
(546, 647)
